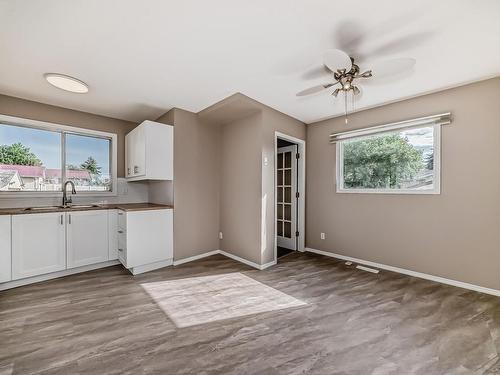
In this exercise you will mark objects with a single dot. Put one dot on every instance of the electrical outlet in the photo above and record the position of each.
(220, 236)
(322, 235)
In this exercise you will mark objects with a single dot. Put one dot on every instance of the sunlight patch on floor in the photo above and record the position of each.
(205, 299)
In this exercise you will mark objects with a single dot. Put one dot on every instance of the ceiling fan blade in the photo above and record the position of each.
(315, 89)
(335, 59)
(317, 72)
(349, 36)
(401, 44)
(387, 68)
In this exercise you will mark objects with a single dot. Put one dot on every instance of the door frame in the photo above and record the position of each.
(301, 188)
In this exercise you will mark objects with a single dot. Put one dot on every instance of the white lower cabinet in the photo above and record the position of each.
(87, 237)
(5, 252)
(145, 239)
(38, 244)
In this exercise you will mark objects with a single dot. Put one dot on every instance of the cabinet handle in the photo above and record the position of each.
(69, 218)
(136, 169)
(120, 231)
(61, 220)
(128, 170)
(120, 249)
(120, 213)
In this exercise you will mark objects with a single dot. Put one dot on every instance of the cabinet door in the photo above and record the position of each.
(38, 244)
(128, 154)
(5, 252)
(87, 237)
(139, 151)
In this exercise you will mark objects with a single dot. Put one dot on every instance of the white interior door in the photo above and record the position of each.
(286, 200)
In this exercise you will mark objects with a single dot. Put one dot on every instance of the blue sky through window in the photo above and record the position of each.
(46, 145)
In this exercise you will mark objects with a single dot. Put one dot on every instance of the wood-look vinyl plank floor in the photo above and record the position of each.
(354, 322)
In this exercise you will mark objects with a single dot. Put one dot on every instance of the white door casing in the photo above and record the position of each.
(286, 200)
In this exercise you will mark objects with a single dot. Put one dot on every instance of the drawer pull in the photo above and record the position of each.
(120, 249)
(120, 231)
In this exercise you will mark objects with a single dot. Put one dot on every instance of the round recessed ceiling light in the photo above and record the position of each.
(67, 83)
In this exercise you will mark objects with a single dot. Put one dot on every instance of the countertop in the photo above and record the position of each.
(76, 207)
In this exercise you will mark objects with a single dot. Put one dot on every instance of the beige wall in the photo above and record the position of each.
(241, 187)
(11, 106)
(454, 235)
(247, 184)
(196, 183)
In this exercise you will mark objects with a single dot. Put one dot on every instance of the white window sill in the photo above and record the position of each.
(386, 191)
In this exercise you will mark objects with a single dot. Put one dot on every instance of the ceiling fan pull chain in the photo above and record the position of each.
(345, 106)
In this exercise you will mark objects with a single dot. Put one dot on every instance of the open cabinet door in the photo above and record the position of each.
(286, 199)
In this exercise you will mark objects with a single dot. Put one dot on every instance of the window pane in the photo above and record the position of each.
(88, 162)
(402, 160)
(29, 158)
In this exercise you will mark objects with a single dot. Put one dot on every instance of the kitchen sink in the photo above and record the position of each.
(74, 206)
(82, 206)
(42, 208)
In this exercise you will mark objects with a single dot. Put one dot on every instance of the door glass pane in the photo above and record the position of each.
(280, 161)
(288, 212)
(280, 211)
(288, 160)
(279, 227)
(280, 178)
(28, 159)
(288, 177)
(280, 194)
(288, 195)
(287, 231)
(88, 162)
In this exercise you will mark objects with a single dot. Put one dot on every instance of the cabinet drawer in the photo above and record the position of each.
(122, 220)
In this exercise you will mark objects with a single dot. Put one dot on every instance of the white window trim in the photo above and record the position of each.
(42, 125)
(437, 164)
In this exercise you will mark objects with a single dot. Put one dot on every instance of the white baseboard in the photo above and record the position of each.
(55, 275)
(267, 265)
(150, 267)
(241, 260)
(195, 257)
(226, 254)
(420, 275)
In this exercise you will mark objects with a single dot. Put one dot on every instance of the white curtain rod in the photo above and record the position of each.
(441, 119)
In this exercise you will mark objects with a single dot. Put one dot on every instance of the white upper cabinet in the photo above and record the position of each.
(5, 258)
(38, 244)
(87, 237)
(149, 152)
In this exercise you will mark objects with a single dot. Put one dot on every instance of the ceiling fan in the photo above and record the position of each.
(347, 74)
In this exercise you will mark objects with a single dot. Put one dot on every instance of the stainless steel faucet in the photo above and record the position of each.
(67, 199)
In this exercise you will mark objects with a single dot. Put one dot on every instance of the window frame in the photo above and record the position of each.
(339, 165)
(65, 129)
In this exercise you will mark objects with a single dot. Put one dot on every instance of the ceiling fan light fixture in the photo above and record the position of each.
(67, 83)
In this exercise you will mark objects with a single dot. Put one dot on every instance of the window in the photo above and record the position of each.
(394, 158)
(38, 157)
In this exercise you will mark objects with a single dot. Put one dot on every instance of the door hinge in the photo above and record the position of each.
(297, 156)
(297, 234)
(297, 195)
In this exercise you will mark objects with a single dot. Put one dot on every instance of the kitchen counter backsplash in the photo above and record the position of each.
(127, 192)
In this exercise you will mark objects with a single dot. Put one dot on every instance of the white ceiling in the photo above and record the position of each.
(141, 58)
